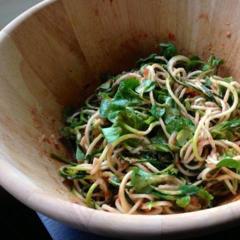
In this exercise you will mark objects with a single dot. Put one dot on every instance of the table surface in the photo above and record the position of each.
(9, 9)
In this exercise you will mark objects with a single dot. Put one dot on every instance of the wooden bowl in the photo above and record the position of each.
(54, 54)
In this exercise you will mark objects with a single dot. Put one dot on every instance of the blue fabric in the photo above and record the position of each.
(60, 231)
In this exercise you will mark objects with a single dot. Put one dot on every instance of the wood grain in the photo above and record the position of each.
(54, 55)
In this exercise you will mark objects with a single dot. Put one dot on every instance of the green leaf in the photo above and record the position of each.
(229, 163)
(168, 50)
(140, 180)
(189, 189)
(126, 91)
(145, 86)
(183, 201)
(79, 154)
(202, 193)
(157, 111)
(176, 124)
(158, 143)
(195, 190)
(132, 118)
(110, 108)
(112, 133)
(212, 64)
(225, 130)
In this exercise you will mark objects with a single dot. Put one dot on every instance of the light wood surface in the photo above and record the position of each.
(54, 54)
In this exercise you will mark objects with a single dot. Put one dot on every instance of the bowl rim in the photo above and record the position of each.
(20, 186)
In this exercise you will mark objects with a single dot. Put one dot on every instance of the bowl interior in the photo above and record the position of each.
(56, 54)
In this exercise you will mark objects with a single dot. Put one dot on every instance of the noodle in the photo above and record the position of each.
(163, 138)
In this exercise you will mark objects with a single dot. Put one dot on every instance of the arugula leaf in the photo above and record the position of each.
(212, 64)
(177, 123)
(162, 96)
(183, 201)
(225, 129)
(168, 50)
(202, 193)
(158, 143)
(157, 111)
(79, 154)
(132, 118)
(145, 86)
(229, 163)
(112, 133)
(110, 108)
(126, 90)
(189, 189)
(140, 180)
(195, 190)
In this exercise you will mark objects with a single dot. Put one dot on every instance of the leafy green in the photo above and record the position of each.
(203, 194)
(177, 123)
(195, 190)
(225, 130)
(212, 64)
(110, 108)
(112, 133)
(145, 86)
(141, 180)
(183, 201)
(188, 189)
(158, 143)
(168, 50)
(229, 163)
(157, 111)
(125, 96)
(126, 90)
(80, 154)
